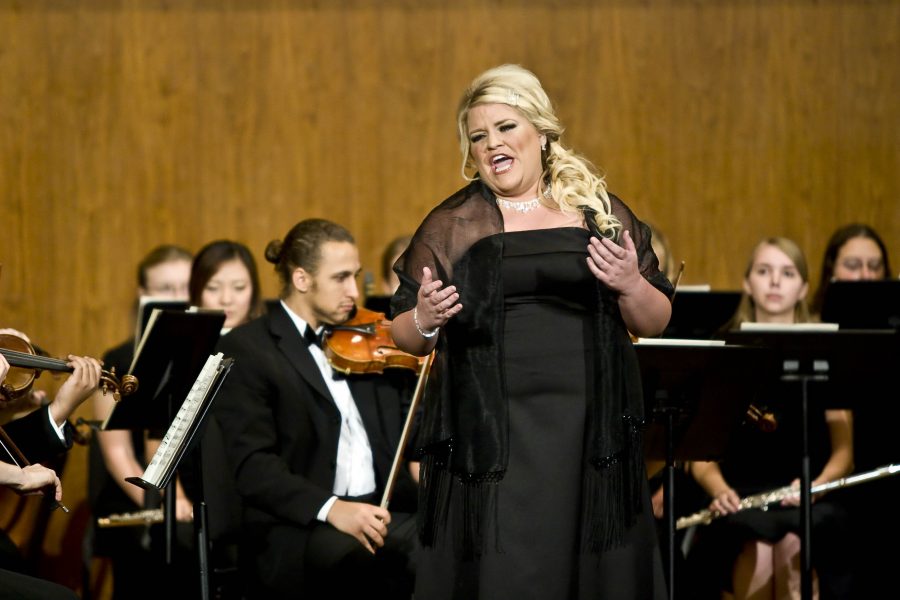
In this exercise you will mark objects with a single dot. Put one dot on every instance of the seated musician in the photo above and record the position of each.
(39, 435)
(163, 273)
(39, 428)
(755, 553)
(311, 450)
(856, 252)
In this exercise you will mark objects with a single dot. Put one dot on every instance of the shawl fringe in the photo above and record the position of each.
(611, 494)
(468, 502)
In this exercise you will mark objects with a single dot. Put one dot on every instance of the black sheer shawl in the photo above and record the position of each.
(463, 439)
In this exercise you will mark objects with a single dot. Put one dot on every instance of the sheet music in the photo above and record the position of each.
(183, 423)
(678, 342)
(747, 326)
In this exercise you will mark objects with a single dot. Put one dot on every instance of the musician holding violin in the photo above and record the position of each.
(36, 436)
(312, 447)
(44, 432)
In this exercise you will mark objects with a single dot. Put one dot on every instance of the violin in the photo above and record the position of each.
(26, 365)
(364, 344)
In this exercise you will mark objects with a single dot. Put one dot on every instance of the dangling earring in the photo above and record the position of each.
(544, 145)
(547, 193)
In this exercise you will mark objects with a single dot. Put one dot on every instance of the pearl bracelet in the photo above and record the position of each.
(422, 332)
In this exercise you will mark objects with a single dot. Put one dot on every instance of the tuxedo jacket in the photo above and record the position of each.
(36, 438)
(281, 426)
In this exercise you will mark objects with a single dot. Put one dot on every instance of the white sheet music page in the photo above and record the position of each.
(747, 326)
(183, 423)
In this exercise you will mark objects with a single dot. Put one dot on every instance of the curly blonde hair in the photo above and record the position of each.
(573, 181)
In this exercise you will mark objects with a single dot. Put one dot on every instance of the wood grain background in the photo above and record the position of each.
(125, 124)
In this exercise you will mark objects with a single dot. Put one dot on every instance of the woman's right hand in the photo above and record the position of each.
(33, 479)
(436, 304)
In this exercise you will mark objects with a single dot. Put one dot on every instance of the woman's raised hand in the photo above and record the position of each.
(436, 304)
(615, 266)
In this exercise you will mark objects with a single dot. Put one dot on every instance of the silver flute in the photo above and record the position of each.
(130, 519)
(765, 499)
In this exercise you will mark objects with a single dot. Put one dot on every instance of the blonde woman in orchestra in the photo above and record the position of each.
(758, 552)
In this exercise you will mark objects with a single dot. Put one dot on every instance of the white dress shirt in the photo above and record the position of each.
(355, 471)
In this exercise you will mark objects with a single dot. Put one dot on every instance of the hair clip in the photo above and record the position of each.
(513, 98)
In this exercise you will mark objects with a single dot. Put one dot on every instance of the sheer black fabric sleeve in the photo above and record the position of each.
(443, 238)
(648, 263)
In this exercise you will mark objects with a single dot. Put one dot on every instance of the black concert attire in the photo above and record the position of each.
(39, 441)
(282, 427)
(134, 551)
(36, 436)
(758, 461)
(532, 481)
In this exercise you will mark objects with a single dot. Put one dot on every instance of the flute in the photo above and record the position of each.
(140, 517)
(764, 499)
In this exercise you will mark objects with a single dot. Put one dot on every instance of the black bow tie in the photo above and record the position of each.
(316, 339)
(312, 338)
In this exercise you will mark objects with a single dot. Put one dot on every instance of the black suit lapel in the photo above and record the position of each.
(294, 348)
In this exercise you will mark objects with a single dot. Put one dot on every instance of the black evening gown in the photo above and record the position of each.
(548, 357)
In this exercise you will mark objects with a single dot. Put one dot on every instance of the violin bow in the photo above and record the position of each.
(404, 435)
(18, 459)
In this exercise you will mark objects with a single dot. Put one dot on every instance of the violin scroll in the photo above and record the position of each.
(26, 365)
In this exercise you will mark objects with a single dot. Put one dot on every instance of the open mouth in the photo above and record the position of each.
(501, 163)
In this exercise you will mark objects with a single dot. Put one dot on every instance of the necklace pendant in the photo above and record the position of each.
(522, 207)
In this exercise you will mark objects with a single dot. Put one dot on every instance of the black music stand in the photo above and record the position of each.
(379, 303)
(863, 304)
(697, 395)
(170, 354)
(700, 315)
(145, 307)
(836, 357)
(184, 438)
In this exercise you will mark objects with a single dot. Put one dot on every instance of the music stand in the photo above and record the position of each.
(170, 354)
(863, 304)
(821, 356)
(168, 358)
(379, 303)
(146, 306)
(701, 314)
(698, 394)
(182, 437)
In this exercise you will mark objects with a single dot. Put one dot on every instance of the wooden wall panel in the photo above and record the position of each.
(124, 124)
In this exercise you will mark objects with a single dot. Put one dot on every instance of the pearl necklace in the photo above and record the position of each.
(523, 206)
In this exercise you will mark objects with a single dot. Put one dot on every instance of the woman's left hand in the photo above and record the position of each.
(793, 499)
(613, 265)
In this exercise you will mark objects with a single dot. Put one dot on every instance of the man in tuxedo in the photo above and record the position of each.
(310, 450)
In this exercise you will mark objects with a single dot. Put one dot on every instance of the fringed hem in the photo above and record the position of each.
(611, 494)
(472, 500)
